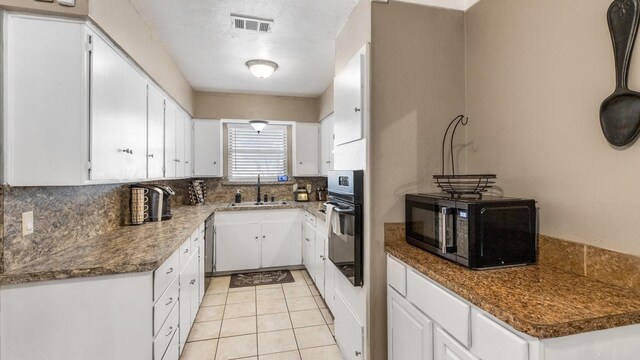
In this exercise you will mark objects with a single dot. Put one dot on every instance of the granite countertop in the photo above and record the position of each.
(128, 249)
(540, 301)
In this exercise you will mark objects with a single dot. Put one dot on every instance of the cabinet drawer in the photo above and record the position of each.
(186, 250)
(397, 275)
(165, 275)
(166, 333)
(163, 306)
(197, 239)
(491, 341)
(447, 310)
(173, 351)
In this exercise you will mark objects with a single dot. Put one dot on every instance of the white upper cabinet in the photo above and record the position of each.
(118, 116)
(306, 149)
(188, 146)
(207, 148)
(348, 106)
(180, 159)
(170, 158)
(155, 133)
(326, 145)
(46, 104)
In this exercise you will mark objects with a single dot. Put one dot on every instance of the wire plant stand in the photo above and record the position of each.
(472, 185)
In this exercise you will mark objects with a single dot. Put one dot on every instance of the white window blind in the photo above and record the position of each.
(250, 153)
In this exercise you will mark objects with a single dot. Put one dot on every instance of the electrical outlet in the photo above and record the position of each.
(27, 223)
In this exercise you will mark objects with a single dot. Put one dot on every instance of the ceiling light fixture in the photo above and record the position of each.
(259, 125)
(262, 68)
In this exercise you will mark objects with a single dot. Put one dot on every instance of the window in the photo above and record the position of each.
(251, 154)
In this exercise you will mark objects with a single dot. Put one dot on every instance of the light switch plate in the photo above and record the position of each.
(27, 223)
(67, 2)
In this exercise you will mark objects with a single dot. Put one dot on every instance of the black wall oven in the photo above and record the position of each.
(345, 237)
(477, 233)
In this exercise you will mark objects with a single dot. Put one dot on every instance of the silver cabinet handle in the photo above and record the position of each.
(193, 281)
(196, 239)
(256, 238)
(215, 162)
(356, 109)
(169, 271)
(300, 162)
(186, 251)
(150, 155)
(170, 301)
(264, 236)
(170, 331)
(126, 151)
(358, 353)
(186, 162)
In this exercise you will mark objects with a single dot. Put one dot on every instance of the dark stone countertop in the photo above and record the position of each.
(128, 249)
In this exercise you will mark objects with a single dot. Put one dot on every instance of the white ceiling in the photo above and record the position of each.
(449, 4)
(212, 55)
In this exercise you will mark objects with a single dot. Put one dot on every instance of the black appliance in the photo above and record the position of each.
(346, 194)
(166, 201)
(482, 233)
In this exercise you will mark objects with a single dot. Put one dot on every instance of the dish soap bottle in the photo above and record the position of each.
(238, 197)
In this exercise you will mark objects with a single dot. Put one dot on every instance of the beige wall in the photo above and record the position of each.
(418, 87)
(538, 71)
(325, 102)
(354, 34)
(81, 8)
(127, 28)
(209, 105)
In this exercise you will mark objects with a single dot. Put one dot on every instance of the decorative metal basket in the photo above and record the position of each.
(461, 185)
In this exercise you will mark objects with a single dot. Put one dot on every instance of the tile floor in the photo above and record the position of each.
(269, 322)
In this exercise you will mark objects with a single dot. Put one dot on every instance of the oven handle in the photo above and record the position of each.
(347, 211)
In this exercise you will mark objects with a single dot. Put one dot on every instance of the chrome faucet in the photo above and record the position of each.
(258, 188)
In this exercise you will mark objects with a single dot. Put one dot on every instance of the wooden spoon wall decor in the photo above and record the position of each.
(620, 112)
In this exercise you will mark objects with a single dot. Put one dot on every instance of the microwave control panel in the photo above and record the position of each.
(462, 233)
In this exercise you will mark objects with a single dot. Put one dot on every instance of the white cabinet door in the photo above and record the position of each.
(180, 120)
(238, 246)
(348, 101)
(281, 244)
(194, 288)
(118, 116)
(188, 163)
(46, 81)
(446, 348)
(321, 258)
(206, 144)
(155, 133)
(306, 149)
(309, 238)
(201, 261)
(410, 332)
(349, 330)
(330, 285)
(326, 145)
(170, 140)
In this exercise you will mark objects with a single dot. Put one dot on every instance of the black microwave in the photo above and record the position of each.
(478, 233)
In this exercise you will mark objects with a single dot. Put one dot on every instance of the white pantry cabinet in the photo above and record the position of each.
(118, 116)
(306, 149)
(459, 334)
(348, 90)
(249, 240)
(326, 145)
(207, 144)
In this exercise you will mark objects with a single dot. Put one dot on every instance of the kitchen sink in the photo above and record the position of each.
(258, 204)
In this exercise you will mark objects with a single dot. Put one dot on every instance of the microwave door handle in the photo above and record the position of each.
(444, 226)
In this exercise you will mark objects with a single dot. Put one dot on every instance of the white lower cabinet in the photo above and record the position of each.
(173, 351)
(189, 300)
(462, 331)
(411, 332)
(321, 257)
(309, 246)
(250, 240)
(349, 330)
(446, 348)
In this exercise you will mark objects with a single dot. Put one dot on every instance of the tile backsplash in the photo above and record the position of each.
(63, 215)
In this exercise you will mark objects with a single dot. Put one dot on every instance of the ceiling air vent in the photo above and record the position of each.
(250, 23)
